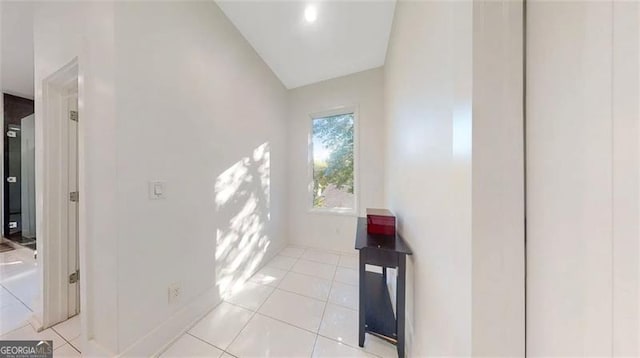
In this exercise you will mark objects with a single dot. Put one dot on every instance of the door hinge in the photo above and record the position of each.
(73, 115)
(73, 196)
(74, 277)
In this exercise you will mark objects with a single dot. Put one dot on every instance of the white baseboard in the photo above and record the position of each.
(93, 349)
(36, 323)
(161, 337)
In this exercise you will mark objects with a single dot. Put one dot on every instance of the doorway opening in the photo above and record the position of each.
(19, 171)
(60, 196)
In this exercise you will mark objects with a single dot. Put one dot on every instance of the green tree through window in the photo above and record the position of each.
(333, 161)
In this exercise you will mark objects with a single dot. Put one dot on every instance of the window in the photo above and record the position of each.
(332, 149)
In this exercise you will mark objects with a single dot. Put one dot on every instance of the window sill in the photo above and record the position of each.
(337, 212)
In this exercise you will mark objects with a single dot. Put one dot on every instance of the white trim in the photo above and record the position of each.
(91, 348)
(161, 337)
(334, 211)
(164, 336)
(335, 111)
(52, 194)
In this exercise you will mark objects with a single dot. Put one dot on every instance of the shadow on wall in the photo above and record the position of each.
(242, 204)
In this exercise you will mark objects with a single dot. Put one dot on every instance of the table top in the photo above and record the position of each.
(380, 242)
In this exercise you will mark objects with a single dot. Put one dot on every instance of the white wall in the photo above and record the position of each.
(63, 31)
(626, 179)
(428, 168)
(170, 91)
(453, 95)
(17, 48)
(198, 109)
(582, 178)
(364, 90)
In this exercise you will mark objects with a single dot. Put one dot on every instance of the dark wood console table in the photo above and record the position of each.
(376, 311)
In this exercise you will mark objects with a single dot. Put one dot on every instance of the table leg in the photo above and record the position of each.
(361, 309)
(401, 285)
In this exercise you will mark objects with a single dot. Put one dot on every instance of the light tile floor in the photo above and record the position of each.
(303, 303)
(19, 290)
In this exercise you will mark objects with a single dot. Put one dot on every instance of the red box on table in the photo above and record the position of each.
(381, 222)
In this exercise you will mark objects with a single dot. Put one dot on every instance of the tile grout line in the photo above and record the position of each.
(222, 300)
(303, 295)
(300, 294)
(74, 347)
(26, 323)
(16, 297)
(277, 287)
(290, 324)
(318, 334)
(325, 302)
(211, 310)
(330, 281)
(202, 340)
(255, 312)
(190, 327)
(287, 323)
(65, 338)
(361, 349)
(315, 342)
(15, 329)
(324, 310)
(308, 275)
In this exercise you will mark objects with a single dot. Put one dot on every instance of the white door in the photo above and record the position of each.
(582, 178)
(73, 258)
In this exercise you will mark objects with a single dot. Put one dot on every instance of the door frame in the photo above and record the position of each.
(71, 184)
(52, 193)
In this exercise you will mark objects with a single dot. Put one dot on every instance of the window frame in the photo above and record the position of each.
(336, 111)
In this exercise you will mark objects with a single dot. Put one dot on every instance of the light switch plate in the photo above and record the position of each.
(157, 190)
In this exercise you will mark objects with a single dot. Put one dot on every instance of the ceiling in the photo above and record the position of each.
(17, 48)
(347, 37)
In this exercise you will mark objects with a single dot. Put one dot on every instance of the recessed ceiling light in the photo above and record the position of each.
(310, 13)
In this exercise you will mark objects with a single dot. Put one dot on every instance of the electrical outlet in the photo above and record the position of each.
(174, 292)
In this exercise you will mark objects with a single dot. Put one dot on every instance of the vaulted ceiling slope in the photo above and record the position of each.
(346, 36)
